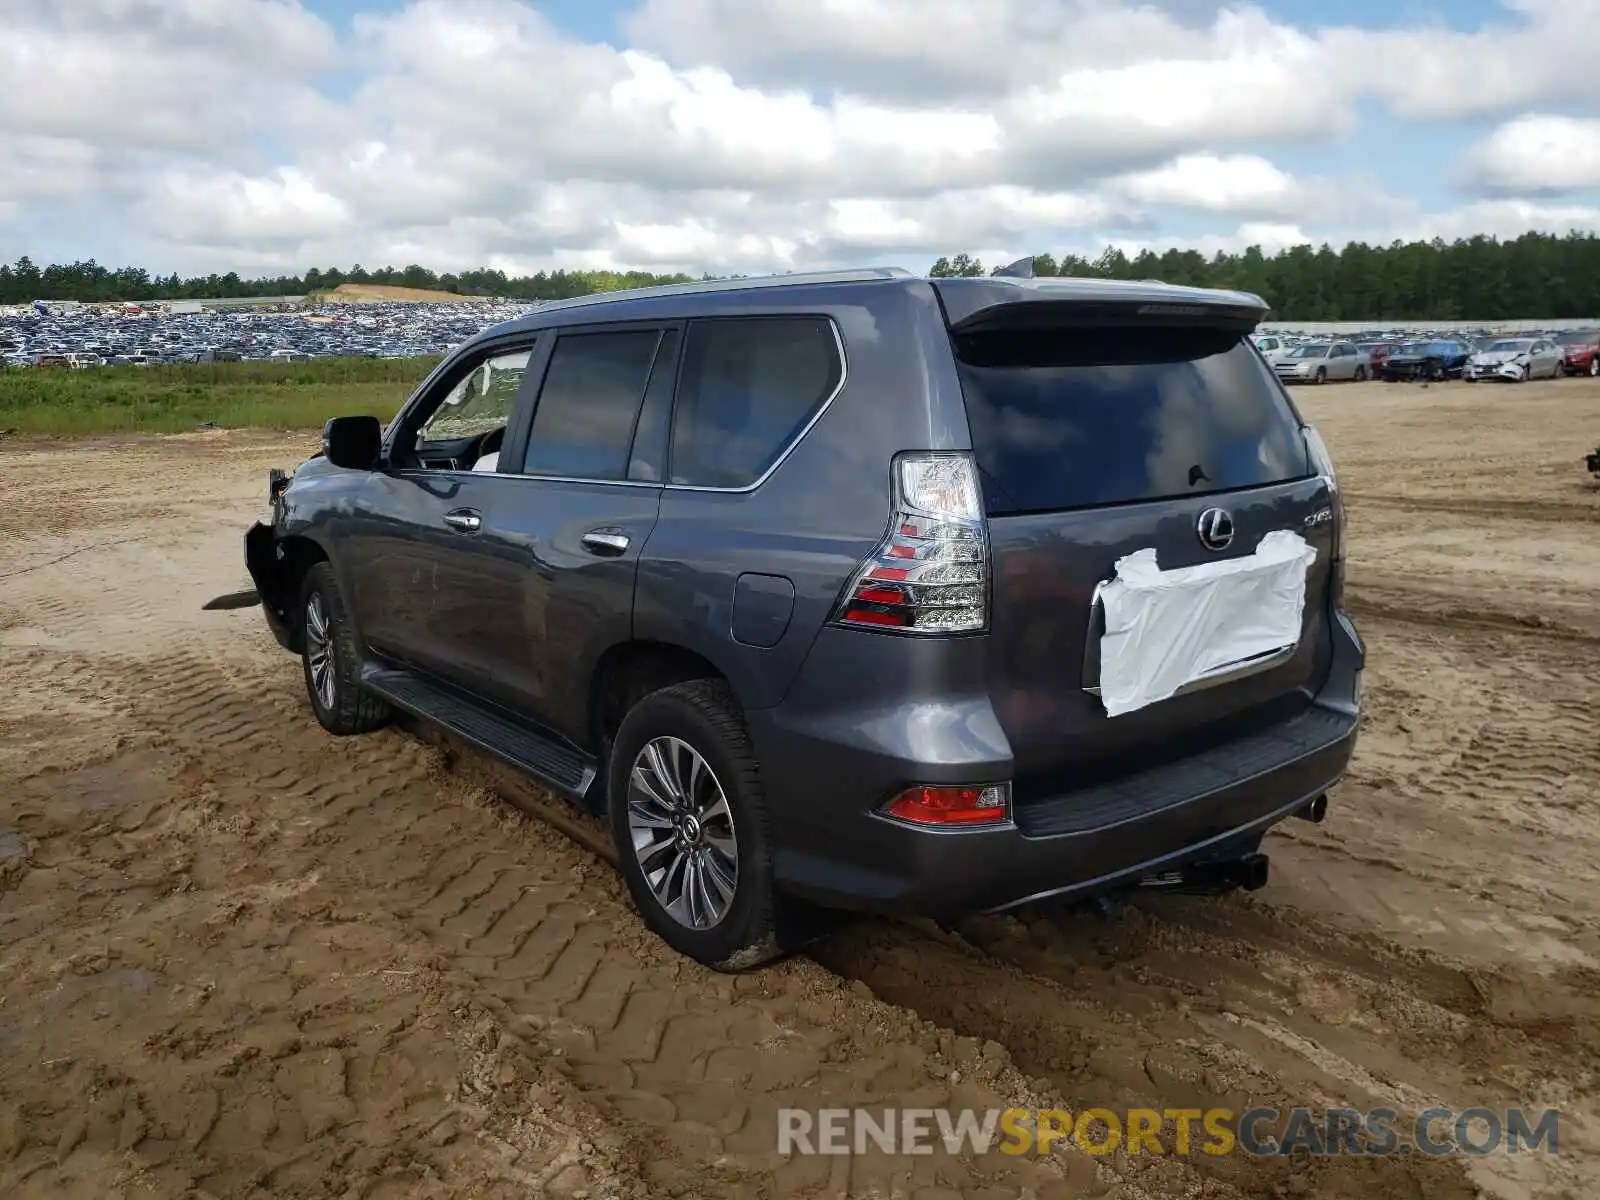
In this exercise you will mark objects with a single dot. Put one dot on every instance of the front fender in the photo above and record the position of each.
(270, 573)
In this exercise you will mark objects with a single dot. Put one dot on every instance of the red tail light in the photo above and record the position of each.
(930, 574)
(928, 804)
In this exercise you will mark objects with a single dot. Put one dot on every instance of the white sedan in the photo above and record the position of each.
(1516, 360)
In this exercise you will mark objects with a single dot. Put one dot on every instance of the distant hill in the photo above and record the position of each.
(369, 293)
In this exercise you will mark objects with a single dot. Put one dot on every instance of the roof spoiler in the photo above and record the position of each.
(1015, 302)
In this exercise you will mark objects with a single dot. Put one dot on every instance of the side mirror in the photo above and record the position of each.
(352, 442)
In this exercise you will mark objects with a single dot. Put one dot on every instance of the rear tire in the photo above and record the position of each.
(330, 658)
(1321, 375)
(693, 834)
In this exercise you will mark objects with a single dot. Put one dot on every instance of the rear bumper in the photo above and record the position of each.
(834, 850)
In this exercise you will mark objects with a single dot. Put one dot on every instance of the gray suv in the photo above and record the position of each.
(800, 582)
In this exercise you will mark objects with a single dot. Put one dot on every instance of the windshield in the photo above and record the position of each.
(1513, 346)
(1309, 352)
(1578, 338)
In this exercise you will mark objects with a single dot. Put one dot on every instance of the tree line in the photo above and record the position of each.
(1477, 278)
(1471, 279)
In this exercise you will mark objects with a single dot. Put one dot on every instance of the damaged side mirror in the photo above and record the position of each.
(353, 442)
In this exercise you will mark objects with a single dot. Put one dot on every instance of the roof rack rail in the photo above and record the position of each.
(853, 275)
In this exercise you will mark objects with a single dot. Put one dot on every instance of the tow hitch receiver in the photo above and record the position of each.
(1211, 878)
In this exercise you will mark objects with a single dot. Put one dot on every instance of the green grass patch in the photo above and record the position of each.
(175, 399)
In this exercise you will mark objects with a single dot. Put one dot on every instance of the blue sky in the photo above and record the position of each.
(780, 134)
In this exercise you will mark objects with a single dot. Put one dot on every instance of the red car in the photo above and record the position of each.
(1580, 350)
(1376, 352)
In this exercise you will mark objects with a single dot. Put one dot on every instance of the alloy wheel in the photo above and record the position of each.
(682, 832)
(319, 650)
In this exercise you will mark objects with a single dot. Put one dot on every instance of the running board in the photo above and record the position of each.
(535, 754)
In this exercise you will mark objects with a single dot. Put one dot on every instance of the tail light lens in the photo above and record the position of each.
(930, 574)
(947, 806)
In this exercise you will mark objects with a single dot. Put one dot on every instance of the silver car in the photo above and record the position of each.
(1515, 360)
(1321, 362)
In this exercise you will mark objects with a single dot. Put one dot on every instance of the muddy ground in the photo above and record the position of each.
(238, 956)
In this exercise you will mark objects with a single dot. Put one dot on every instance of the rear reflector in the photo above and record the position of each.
(927, 804)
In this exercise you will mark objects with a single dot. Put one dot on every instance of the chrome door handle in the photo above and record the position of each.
(605, 542)
(463, 520)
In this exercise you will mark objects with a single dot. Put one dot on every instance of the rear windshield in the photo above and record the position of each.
(1074, 418)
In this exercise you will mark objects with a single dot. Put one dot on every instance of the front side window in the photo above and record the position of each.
(480, 402)
(584, 421)
(748, 388)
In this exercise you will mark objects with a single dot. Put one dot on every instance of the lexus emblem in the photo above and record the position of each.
(1215, 528)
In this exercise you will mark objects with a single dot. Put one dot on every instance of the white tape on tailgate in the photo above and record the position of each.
(1166, 630)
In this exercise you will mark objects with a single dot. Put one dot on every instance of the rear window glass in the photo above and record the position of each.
(1073, 418)
(749, 386)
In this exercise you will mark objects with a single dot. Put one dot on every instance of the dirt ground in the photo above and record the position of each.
(240, 957)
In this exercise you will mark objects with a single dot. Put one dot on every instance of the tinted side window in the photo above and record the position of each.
(748, 387)
(583, 424)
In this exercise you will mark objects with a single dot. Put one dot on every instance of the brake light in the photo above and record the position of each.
(931, 805)
(930, 574)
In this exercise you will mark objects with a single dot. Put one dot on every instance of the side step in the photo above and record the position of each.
(558, 767)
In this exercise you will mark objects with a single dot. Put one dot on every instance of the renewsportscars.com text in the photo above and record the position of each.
(1180, 1131)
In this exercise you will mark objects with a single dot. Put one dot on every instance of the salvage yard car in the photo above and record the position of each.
(851, 590)
(1319, 363)
(1515, 360)
(1436, 360)
(1580, 349)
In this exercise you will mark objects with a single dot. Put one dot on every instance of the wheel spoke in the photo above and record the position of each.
(720, 880)
(663, 773)
(640, 779)
(640, 816)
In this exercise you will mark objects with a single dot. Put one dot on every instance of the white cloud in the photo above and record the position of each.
(1536, 154)
(756, 134)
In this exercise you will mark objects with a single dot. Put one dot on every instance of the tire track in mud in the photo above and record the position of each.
(688, 1067)
(563, 952)
(1547, 511)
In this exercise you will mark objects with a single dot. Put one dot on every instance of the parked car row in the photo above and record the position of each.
(90, 337)
(1510, 359)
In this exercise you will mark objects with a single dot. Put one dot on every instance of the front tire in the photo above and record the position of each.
(330, 657)
(693, 834)
(1321, 375)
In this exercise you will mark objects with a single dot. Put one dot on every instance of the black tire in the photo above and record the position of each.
(1321, 376)
(703, 715)
(337, 699)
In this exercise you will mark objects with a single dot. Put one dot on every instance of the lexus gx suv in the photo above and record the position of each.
(853, 590)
